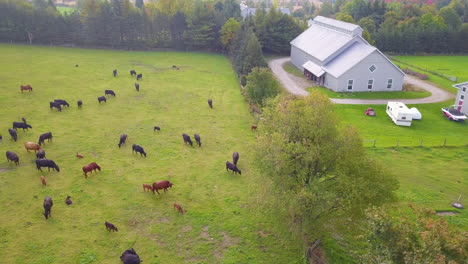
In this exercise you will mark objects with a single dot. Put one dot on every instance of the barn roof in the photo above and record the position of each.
(460, 85)
(348, 58)
(313, 68)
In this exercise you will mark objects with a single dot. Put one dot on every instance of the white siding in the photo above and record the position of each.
(460, 92)
(299, 57)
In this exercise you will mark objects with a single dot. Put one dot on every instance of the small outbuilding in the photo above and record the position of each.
(460, 98)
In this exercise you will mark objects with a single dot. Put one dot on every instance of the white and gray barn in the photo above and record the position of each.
(334, 54)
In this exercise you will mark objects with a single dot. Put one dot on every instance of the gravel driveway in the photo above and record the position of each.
(296, 85)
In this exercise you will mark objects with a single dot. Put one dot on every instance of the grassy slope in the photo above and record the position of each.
(373, 95)
(222, 223)
(63, 9)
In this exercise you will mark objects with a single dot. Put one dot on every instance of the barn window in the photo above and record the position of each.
(372, 68)
(370, 84)
(464, 89)
(350, 84)
(462, 97)
(389, 83)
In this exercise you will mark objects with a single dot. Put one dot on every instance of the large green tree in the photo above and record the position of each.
(261, 85)
(228, 32)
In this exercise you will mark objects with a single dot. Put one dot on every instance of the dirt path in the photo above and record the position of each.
(296, 85)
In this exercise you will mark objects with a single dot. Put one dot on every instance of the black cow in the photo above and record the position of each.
(129, 256)
(132, 72)
(137, 87)
(102, 99)
(46, 163)
(40, 154)
(45, 136)
(22, 125)
(235, 157)
(174, 67)
(197, 139)
(1, 137)
(115, 73)
(79, 103)
(187, 139)
(139, 76)
(13, 134)
(156, 128)
(62, 102)
(123, 138)
(139, 149)
(56, 105)
(48, 207)
(11, 156)
(210, 103)
(109, 92)
(230, 166)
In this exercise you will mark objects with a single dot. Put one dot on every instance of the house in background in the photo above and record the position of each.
(461, 94)
(335, 55)
(247, 11)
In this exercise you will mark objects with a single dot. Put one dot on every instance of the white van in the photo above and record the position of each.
(401, 115)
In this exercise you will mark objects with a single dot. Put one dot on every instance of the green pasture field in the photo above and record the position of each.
(223, 222)
(63, 9)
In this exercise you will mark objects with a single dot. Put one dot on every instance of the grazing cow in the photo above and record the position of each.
(32, 146)
(137, 87)
(174, 67)
(13, 134)
(90, 168)
(122, 140)
(102, 99)
(230, 166)
(179, 208)
(22, 125)
(111, 227)
(139, 76)
(160, 185)
(76, 65)
(26, 87)
(139, 149)
(147, 187)
(46, 163)
(210, 103)
(41, 154)
(45, 136)
(235, 157)
(1, 137)
(79, 103)
(78, 155)
(43, 180)
(156, 128)
(56, 106)
(197, 139)
(132, 72)
(129, 256)
(115, 73)
(109, 92)
(62, 102)
(252, 128)
(48, 207)
(68, 201)
(187, 139)
(11, 156)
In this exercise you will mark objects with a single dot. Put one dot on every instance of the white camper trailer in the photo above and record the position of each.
(401, 115)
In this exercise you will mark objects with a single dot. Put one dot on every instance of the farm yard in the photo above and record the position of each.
(222, 223)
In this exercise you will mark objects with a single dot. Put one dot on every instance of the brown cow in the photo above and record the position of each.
(147, 187)
(179, 208)
(43, 180)
(78, 155)
(32, 146)
(252, 128)
(26, 87)
(90, 168)
(160, 185)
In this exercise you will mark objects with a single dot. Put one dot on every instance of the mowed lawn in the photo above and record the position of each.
(223, 221)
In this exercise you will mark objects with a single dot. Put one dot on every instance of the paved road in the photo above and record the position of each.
(296, 85)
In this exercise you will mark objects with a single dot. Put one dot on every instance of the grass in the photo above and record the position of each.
(290, 68)
(372, 95)
(223, 222)
(64, 9)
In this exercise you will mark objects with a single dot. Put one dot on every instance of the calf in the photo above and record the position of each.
(187, 139)
(111, 227)
(147, 187)
(156, 128)
(62, 102)
(68, 201)
(102, 99)
(160, 185)
(137, 87)
(13, 134)
(139, 149)
(132, 72)
(197, 139)
(46, 163)
(26, 87)
(139, 76)
(79, 103)
(43, 180)
(40, 154)
(48, 207)
(230, 166)
(179, 208)
(78, 155)
(22, 125)
(93, 166)
(56, 106)
(45, 136)
(114, 72)
(129, 256)
(235, 157)
(109, 92)
(32, 146)
(123, 139)
(11, 156)
(210, 103)
(252, 128)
